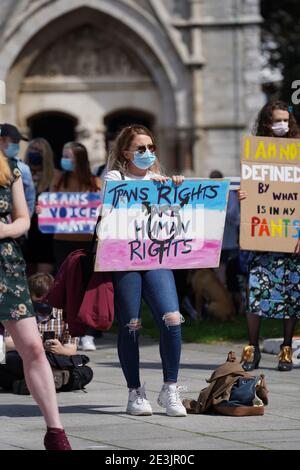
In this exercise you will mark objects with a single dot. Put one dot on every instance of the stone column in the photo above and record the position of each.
(185, 159)
(197, 61)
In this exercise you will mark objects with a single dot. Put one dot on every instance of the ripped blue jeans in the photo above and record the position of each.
(159, 291)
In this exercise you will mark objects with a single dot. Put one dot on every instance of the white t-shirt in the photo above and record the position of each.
(115, 175)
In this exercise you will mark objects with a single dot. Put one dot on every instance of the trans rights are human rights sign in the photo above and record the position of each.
(150, 225)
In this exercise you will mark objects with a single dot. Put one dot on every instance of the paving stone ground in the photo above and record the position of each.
(97, 419)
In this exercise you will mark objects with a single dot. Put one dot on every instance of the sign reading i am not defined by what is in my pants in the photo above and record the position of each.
(270, 174)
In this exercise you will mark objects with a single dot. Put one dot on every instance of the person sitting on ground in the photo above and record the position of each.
(56, 339)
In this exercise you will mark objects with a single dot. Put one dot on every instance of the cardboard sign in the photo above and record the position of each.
(68, 212)
(270, 173)
(148, 225)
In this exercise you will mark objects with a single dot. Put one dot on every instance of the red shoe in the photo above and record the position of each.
(56, 439)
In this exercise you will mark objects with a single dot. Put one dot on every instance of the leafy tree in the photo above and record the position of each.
(281, 42)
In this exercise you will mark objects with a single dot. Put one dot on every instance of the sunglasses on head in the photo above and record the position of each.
(142, 148)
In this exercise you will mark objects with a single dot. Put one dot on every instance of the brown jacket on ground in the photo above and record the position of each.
(220, 385)
(219, 389)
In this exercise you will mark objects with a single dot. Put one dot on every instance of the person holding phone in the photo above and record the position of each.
(51, 324)
(53, 331)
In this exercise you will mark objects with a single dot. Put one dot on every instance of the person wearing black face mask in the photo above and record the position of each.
(35, 158)
(39, 256)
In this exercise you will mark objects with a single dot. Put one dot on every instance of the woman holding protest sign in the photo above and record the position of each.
(274, 278)
(16, 310)
(133, 157)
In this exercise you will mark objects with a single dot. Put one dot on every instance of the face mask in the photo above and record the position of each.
(12, 150)
(42, 308)
(35, 158)
(143, 161)
(67, 164)
(280, 128)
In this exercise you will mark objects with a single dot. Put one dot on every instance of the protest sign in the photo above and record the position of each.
(270, 174)
(149, 225)
(68, 212)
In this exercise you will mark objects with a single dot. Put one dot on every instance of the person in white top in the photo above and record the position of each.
(133, 157)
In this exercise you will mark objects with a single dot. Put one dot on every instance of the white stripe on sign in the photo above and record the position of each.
(235, 181)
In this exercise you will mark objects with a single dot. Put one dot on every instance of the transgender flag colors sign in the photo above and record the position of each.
(149, 225)
(68, 212)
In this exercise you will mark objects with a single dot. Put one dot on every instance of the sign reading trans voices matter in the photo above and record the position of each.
(68, 212)
(270, 215)
(149, 225)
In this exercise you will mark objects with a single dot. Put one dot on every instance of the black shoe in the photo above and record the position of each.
(285, 363)
(250, 358)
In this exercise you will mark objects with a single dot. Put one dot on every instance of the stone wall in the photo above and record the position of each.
(198, 62)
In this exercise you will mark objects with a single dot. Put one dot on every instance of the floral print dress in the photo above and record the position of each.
(274, 285)
(15, 302)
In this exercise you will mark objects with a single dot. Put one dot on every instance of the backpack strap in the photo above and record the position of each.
(93, 242)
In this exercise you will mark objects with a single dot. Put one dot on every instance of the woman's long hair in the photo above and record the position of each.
(5, 172)
(263, 125)
(117, 160)
(82, 169)
(48, 165)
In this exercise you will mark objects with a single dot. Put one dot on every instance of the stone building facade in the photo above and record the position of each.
(189, 69)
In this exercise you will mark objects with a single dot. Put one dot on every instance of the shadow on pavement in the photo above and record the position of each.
(30, 411)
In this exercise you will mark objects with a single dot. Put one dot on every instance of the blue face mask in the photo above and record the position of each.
(143, 161)
(35, 158)
(12, 150)
(67, 164)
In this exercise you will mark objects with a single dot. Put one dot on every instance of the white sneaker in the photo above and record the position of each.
(169, 398)
(138, 405)
(87, 343)
(2, 350)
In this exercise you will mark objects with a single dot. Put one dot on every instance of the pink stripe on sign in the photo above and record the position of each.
(60, 220)
(67, 206)
(114, 255)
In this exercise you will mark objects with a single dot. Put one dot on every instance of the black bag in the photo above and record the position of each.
(80, 373)
(58, 361)
(11, 371)
(79, 377)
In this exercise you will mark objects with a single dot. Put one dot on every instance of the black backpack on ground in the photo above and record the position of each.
(80, 373)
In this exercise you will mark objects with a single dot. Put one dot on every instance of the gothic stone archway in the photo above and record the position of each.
(161, 77)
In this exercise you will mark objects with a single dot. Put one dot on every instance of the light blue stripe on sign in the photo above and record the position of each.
(212, 194)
